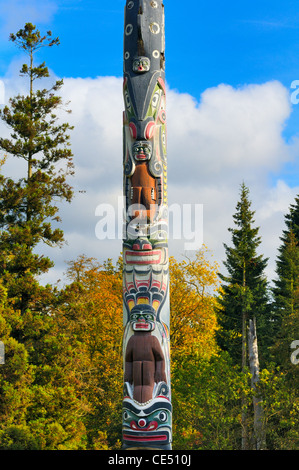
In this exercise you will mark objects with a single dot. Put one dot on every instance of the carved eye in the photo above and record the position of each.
(155, 99)
(125, 415)
(162, 416)
(162, 116)
(127, 100)
(146, 64)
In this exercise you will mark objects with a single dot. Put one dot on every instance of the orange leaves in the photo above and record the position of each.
(92, 316)
(193, 320)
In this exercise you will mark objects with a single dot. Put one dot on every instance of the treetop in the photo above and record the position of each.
(29, 39)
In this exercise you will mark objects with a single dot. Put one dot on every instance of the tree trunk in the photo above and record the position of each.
(258, 431)
(31, 115)
(244, 361)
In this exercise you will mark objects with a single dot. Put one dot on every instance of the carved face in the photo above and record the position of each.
(141, 64)
(159, 418)
(143, 319)
(148, 425)
(142, 150)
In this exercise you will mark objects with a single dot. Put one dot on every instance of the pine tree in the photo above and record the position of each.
(287, 266)
(45, 399)
(244, 297)
(286, 289)
(28, 206)
(244, 287)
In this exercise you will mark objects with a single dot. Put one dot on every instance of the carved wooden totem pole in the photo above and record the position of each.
(147, 409)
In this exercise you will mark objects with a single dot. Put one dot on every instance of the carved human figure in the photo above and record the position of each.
(143, 184)
(144, 358)
(147, 408)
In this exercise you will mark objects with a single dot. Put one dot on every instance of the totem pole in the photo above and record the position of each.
(147, 409)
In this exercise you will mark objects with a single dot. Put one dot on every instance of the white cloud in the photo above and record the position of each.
(15, 13)
(271, 205)
(231, 135)
(97, 140)
(231, 132)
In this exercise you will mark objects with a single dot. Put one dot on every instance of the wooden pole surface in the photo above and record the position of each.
(147, 409)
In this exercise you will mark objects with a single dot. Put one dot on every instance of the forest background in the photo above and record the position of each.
(61, 380)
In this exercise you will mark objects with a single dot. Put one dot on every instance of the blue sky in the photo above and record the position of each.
(207, 43)
(229, 70)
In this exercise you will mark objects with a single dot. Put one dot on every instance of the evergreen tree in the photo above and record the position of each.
(292, 219)
(286, 289)
(287, 267)
(36, 385)
(244, 287)
(28, 206)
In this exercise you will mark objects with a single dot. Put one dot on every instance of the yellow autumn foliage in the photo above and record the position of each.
(93, 318)
(193, 284)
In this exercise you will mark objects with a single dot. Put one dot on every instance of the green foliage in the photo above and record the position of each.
(207, 403)
(244, 290)
(28, 206)
(36, 388)
(286, 295)
(61, 383)
(281, 409)
(62, 388)
(286, 285)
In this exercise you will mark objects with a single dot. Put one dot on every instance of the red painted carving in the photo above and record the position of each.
(143, 186)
